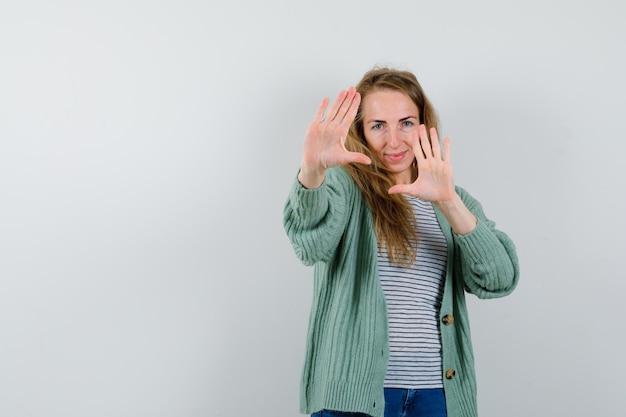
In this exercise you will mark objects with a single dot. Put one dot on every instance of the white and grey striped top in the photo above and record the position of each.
(413, 297)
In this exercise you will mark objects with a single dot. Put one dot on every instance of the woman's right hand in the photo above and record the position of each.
(324, 143)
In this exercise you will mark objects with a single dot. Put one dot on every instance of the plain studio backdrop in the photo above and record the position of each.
(147, 149)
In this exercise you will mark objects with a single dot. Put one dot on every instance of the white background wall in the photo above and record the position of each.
(147, 148)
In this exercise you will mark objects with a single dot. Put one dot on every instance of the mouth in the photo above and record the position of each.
(396, 157)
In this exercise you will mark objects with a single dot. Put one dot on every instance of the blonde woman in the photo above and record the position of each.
(395, 246)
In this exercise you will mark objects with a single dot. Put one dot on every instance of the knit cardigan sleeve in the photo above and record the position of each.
(315, 219)
(486, 257)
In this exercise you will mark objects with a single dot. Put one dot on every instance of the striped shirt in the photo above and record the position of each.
(413, 296)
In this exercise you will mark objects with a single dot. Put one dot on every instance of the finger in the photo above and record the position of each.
(399, 189)
(350, 157)
(424, 142)
(446, 150)
(434, 142)
(352, 109)
(347, 105)
(359, 158)
(321, 110)
(334, 109)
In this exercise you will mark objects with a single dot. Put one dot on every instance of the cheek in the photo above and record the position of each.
(372, 142)
(407, 134)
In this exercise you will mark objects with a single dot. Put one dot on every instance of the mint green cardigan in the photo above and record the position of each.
(331, 228)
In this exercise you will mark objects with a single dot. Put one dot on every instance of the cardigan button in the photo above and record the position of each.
(448, 319)
(450, 373)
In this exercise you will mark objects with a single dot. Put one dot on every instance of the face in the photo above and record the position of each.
(389, 120)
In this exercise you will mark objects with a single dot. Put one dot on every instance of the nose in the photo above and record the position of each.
(394, 138)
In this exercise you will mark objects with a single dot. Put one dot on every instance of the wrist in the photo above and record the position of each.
(311, 178)
(449, 204)
(461, 219)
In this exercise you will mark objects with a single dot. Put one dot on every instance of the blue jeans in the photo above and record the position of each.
(401, 402)
(415, 402)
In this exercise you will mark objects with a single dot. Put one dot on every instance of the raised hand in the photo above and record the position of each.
(435, 180)
(324, 143)
(435, 177)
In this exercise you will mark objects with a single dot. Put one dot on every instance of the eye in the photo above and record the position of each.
(407, 123)
(377, 126)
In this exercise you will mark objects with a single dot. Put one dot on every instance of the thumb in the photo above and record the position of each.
(360, 158)
(399, 189)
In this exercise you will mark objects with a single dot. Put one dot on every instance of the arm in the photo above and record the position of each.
(315, 219)
(318, 206)
(485, 258)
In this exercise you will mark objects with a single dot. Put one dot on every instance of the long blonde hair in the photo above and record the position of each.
(393, 214)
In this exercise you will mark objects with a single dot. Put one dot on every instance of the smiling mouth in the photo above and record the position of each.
(396, 156)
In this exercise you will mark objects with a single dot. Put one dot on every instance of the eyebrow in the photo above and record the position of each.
(401, 120)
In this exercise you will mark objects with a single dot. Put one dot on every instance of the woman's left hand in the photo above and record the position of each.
(435, 176)
(435, 181)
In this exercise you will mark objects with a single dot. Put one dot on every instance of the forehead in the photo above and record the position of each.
(388, 104)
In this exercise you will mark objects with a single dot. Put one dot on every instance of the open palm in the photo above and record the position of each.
(324, 143)
(435, 176)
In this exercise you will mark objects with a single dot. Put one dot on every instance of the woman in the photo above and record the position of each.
(395, 245)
